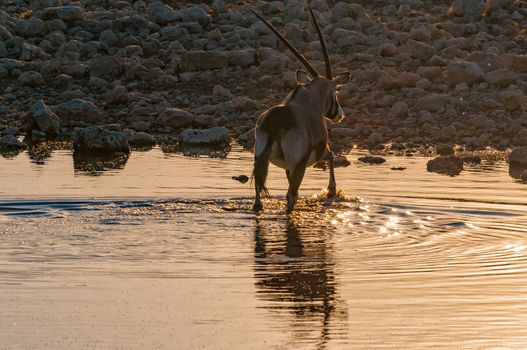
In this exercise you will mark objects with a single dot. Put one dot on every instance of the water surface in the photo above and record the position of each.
(162, 250)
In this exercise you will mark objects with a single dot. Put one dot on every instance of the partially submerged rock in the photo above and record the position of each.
(449, 165)
(10, 142)
(518, 156)
(139, 138)
(372, 159)
(217, 136)
(98, 139)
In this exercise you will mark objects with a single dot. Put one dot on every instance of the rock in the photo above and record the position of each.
(387, 82)
(65, 13)
(501, 77)
(518, 156)
(449, 165)
(241, 178)
(196, 14)
(515, 62)
(463, 72)
(372, 160)
(419, 50)
(139, 139)
(398, 168)
(247, 139)
(10, 142)
(340, 161)
(219, 6)
(118, 95)
(512, 100)
(210, 137)
(432, 102)
(31, 27)
(175, 118)
(400, 109)
(38, 136)
(172, 33)
(106, 67)
(78, 110)
(523, 175)
(448, 132)
(108, 37)
(445, 150)
(471, 10)
(95, 138)
(374, 139)
(241, 58)
(163, 14)
(30, 78)
(472, 159)
(203, 60)
(45, 119)
(271, 61)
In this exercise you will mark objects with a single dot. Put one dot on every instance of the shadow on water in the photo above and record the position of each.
(296, 276)
(96, 163)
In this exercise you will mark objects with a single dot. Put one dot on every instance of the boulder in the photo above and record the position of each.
(217, 136)
(501, 77)
(515, 62)
(139, 139)
(65, 13)
(372, 160)
(463, 72)
(518, 156)
(203, 60)
(432, 102)
(449, 165)
(175, 118)
(374, 139)
(241, 58)
(10, 142)
(419, 50)
(196, 14)
(118, 95)
(470, 10)
(78, 110)
(445, 150)
(106, 67)
(96, 138)
(45, 119)
(30, 78)
(512, 100)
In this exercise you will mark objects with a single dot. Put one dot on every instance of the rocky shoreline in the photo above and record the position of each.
(424, 73)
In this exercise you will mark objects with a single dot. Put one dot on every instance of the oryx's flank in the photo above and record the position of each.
(293, 135)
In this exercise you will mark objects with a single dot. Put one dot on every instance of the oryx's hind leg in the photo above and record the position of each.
(295, 179)
(332, 187)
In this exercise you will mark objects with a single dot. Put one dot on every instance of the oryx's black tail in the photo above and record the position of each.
(261, 167)
(273, 124)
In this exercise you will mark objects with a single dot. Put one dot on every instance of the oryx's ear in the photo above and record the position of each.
(342, 78)
(302, 77)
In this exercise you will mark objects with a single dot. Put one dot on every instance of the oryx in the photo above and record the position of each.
(293, 135)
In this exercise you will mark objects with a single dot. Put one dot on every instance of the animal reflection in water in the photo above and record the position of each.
(295, 274)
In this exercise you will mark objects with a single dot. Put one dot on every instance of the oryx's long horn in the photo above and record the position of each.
(298, 55)
(323, 45)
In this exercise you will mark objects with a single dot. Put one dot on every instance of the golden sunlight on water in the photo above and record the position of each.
(164, 252)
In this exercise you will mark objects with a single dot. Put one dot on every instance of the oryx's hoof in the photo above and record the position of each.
(332, 192)
(257, 206)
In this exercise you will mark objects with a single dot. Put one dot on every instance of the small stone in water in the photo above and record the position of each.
(241, 178)
(398, 168)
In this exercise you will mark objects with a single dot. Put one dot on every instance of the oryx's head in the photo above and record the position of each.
(325, 87)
